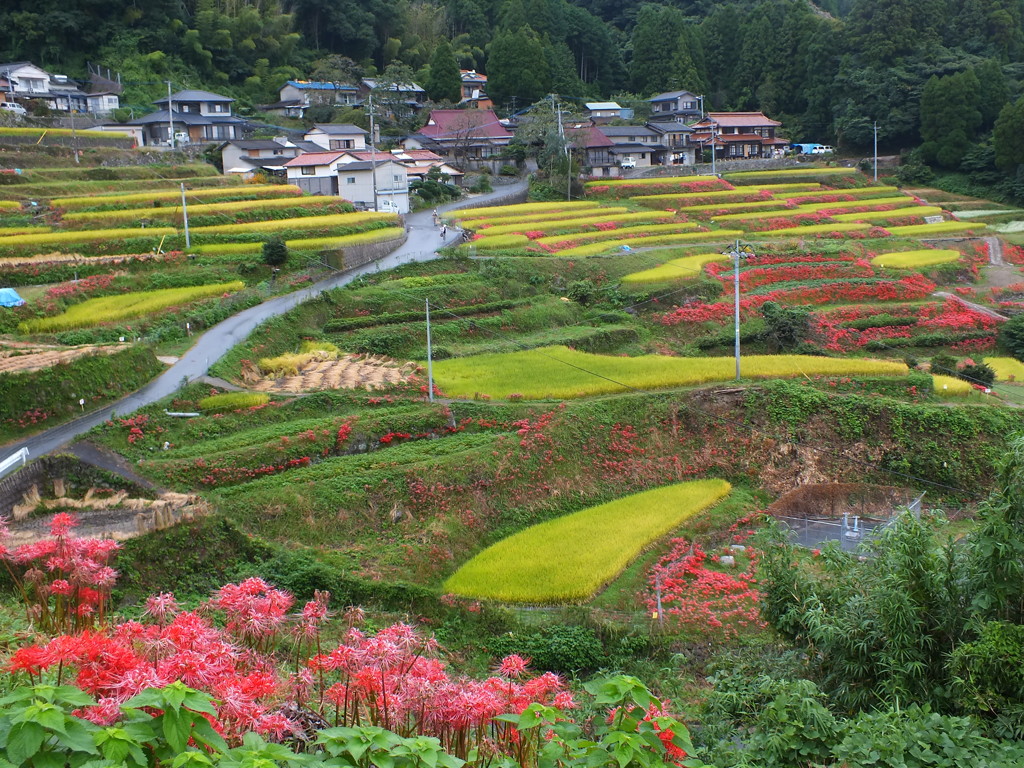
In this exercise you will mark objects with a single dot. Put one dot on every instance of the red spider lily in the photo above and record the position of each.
(64, 581)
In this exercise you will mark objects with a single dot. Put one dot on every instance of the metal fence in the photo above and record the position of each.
(852, 532)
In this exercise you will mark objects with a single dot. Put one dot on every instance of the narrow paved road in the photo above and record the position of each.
(422, 244)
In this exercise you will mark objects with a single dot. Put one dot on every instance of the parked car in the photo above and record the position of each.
(13, 108)
(627, 162)
(823, 149)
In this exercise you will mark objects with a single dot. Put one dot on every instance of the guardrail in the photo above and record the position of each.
(17, 459)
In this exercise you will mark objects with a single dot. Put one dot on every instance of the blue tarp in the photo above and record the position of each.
(10, 298)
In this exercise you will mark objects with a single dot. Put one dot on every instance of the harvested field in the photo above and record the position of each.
(348, 372)
(18, 357)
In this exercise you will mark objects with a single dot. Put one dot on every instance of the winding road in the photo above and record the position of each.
(423, 241)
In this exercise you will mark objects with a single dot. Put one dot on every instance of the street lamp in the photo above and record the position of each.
(740, 251)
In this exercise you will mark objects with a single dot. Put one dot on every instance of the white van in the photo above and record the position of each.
(14, 108)
(823, 149)
(627, 162)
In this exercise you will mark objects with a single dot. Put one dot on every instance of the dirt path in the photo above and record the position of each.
(98, 456)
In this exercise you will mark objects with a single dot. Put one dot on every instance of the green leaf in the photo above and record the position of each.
(24, 742)
(175, 730)
(49, 760)
(79, 735)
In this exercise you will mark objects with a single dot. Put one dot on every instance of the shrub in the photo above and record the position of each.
(566, 650)
(1011, 336)
(275, 252)
(233, 401)
(977, 373)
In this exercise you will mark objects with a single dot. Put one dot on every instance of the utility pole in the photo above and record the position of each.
(876, 150)
(736, 255)
(184, 213)
(430, 359)
(714, 170)
(373, 154)
(74, 135)
(170, 117)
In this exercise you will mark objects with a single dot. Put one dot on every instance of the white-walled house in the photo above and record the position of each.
(337, 136)
(196, 117)
(315, 173)
(355, 182)
(340, 174)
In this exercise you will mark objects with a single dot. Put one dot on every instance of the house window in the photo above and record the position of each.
(397, 179)
(350, 179)
(308, 170)
(340, 143)
(218, 107)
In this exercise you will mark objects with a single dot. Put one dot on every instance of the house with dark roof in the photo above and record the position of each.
(677, 105)
(247, 156)
(337, 136)
(594, 150)
(190, 117)
(296, 96)
(738, 135)
(675, 135)
(642, 145)
(467, 137)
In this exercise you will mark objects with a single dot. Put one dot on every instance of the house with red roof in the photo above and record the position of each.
(737, 135)
(467, 137)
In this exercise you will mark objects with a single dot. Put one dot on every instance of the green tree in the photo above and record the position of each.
(517, 70)
(949, 118)
(275, 252)
(654, 40)
(1008, 137)
(445, 81)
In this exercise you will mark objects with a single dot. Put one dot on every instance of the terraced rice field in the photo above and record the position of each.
(569, 559)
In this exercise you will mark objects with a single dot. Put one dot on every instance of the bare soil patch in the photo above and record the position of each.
(349, 372)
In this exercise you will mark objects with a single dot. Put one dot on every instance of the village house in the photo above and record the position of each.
(249, 156)
(682, 106)
(739, 135)
(296, 96)
(472, 138)
(601, 112)
(337, 136)
(474, 87)
(22, 82)
(350, 175)
(640, 144)
(194, 116)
